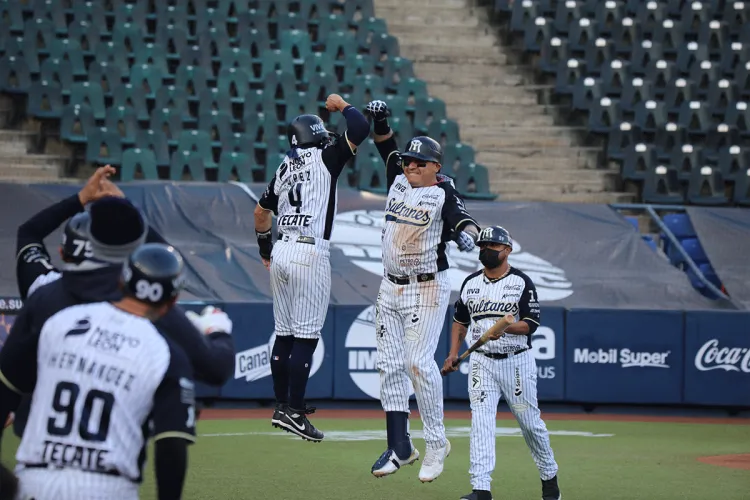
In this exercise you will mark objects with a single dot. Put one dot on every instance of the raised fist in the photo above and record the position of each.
(378, 110)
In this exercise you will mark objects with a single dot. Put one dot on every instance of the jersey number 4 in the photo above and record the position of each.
(96, 403)
(295, 196)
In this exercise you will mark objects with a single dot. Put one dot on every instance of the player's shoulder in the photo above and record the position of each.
(48, 300)
(476, 275)
(525, 277)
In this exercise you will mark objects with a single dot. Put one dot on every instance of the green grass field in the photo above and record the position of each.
(248, 459)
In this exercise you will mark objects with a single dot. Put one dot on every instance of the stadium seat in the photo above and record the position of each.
(217, 124)
(112, 54)
(721, 95)
(198, 56)
(70, 51)
(473, 182)
(633, 93)
(607, 15)
(369, 87)
(685, 159)
(371, 174)
(186, 164)
(107, 76)
(341, 44)
(91, 94)
(679, 224)
(131, 13)
(669, 35)
(694, 117)
(15, 75)
(213, 41)
(129, 37)
(122, 121)
(694, 250)
(402, 129)
(535, 35)
(133, 97)
(213, 100)
(568, 13)
(233, 164)
(523, 13)
(455, 156)
(714, 35)
(622, 137)
(633, 221)
(254, 42)
(720, 136)
(368, 29)
(76, 123)
(638, 160)
(412, 88)
(321, 86)
(677, 93)
(173, 38)
(625, 35)
(384, 47)
(256, 102)
(597, 53)
(741, 194)
(356, 10)
(661, 72)
(604, 115)
(706, 187)
(552, 52)
(197, 141)
(89, 13)
(276, 61)
(614, 77)
(738, 115)
(11, 18)
(396, 69)
(356, 65)
(661, 185)
(296, 44)
(103, 147)
(586, 93)
(136, 160)
(174, 15)
(156, 141)
(192, 78)
(88, 35)
(291, 22)
(669, 139)
(175, 99)
(53, 12)
(149, 78)
(650, 14)
(427, 109)
(167, 121)
(733, 57)
(253, 19)
(444, 131)
(690, 55)
(234, 82)
(57, 71)
(643, 54)
(703, 73)
(733, 161)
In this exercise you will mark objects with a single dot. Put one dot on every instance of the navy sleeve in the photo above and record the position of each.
(338, 154)
(173, 413)
(461, 314)
(32, 262)
(269, 200)
(454, 211)
(388, 150)
(18, 357)
(211, 356)
(528, 306)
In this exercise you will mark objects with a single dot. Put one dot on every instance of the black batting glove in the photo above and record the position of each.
(265, 243)
(378, 110)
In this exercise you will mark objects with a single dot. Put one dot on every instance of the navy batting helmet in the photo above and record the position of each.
(76, 246)
(154, 274)
(423, 148)
(495, 234)
(307, 131)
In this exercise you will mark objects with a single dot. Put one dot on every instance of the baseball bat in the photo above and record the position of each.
(499, 326)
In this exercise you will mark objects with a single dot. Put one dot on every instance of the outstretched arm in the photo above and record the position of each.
(336, 156)
(384, 139)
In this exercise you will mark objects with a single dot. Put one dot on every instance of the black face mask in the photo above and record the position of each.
(490, 258)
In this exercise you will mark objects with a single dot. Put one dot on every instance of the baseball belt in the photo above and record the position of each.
(405, 280)
(495, 355)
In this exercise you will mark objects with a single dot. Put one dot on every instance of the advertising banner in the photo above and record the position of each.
(717, 358)
(547, 344)
(624, 356)
(253, 337)
(355, 374)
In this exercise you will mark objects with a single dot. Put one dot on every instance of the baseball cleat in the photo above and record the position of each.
(296, 422)
(434, 459)
(389, 463)
(550, 490)
(477, 495)
(277, 413)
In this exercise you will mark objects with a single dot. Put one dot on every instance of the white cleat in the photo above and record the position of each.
(434, 459)
(389, 463)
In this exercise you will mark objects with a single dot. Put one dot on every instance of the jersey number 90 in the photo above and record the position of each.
(95, 402)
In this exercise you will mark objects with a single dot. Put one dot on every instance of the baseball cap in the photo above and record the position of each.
(116, 228)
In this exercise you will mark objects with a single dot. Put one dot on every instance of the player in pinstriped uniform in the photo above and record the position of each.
(106, 380)
(303, 195)
(504, 365)
(422, 214)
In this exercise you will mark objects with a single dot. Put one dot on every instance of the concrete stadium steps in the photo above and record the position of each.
(456, 50)
(33, 168)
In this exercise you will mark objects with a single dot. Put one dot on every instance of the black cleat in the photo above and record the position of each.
(281, 408)
(296, 422)
(478, 495)
(550, 490)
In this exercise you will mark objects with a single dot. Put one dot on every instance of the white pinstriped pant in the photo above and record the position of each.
(301, 286)
(515, 378)
(408, 322)
(73, 484)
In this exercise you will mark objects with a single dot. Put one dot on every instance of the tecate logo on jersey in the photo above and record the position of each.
(358, 235)
(626, 358)
(255, 363)
(731, 359)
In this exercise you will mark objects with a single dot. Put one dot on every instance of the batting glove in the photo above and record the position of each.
(210, 320)
(378, 110)
(465, 242)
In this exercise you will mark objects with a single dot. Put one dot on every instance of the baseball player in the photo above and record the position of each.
(504, 365)
(303, 196)
(106, 381)
(423, 212)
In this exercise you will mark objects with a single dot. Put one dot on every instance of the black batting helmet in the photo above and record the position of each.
(307, 131)
(423, 148)
(76, 246)
(495, 234)
(154, 274)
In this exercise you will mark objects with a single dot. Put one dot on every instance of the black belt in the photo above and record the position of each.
(404, 280)
(495, 355)
(299, 239)
(111, 472)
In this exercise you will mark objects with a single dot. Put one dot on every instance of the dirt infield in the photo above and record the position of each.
(232, 414)
(730, 461)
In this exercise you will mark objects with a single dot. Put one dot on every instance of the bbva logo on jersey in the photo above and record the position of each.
(255, 363)
(358, 236)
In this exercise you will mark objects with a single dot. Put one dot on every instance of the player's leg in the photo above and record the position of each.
(424, 307)
(518, 379)
(394, 383)
(484, 394)
(281, 291)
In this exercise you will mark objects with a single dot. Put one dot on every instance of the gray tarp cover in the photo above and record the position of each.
(724, 234)
(578, 255)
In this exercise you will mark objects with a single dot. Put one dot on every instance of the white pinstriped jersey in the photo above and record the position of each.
(101, 374)
(483, 301)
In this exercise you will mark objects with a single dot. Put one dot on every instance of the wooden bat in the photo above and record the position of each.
(499, 327)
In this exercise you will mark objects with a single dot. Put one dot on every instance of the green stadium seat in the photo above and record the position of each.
(396, 69)
(103, 147)
(234, 57)
(340, 45)
(122, 120)
(135, 160)
(444, 131)
(272, 164)
(279, 85)
(357, 10)
(213, 40)
(133, 97)
(233, 8)
(91, 94)
(402, 129)
(472, 182)
(45, 100)
(192, 78)
(397, 104)
(69, 50)
(52, 11)
(152, 55)
(321, 86)
(368, 29)
(275, 61)
(238, 143)
(367, 88)
(234, 82)
(91, 14)
(87, 35)
(173, 38)
(294, 103)
(15, 77)
(199, 56)
(186, 165)
(297, 44)
(175, 15)
(234, 166)
(213, 100)
(354, 66)
(371, 174)
(256, 102)
(106, 75)
(310, 9)
(156, 141)
(149, 78)
(198, 141)
(131, 13)
(129, 37)
(317, 62)
(253, 19)
(327, 25)
(211, 19)
(217, 124)
(261, 128)
(40, 34)
(112, 54)
(455, 156)
(427, 109)
(58, 71)
(291, 22)
(167, 121)
(384, 47)
(254, 42)
(76, 123)
(412, 88)
(11, 18)
(276, 9)
(173, 98)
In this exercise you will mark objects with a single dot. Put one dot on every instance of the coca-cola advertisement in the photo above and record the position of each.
(717, 363)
